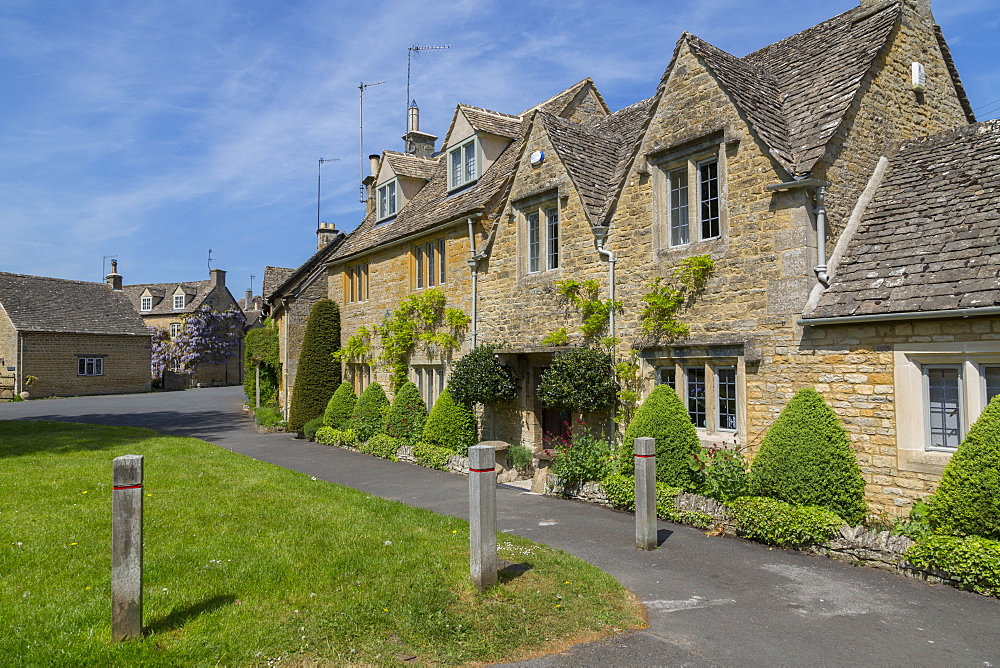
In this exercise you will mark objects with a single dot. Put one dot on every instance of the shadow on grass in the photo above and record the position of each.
(181, 616)
(510, 570)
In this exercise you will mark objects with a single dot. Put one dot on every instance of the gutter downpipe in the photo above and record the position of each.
(600, 234)
(473, 263)
(909, 315)
(820, 210)
(20, 362)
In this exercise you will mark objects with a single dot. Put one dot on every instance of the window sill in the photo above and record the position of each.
(923, 461)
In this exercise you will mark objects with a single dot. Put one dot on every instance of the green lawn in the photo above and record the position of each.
(247, 563)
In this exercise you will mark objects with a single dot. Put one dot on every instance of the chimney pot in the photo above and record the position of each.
(414, 117)
(114, 279)
(373, 160)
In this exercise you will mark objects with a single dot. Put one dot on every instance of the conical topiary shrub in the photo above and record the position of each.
(968, 501)
(368, 417)
(341, 405)
(806, 458)
(450, 425)
(407, 415)
(318, 373)
(662, 416)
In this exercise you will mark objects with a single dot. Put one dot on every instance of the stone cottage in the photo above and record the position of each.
(74, 337)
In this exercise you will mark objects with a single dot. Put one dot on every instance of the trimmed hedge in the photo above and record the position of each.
(662, 416)
(407, 415)
(620, 490)
(341, 437)
(450, 425)
(318, 373)
(968, 501)
(309, 428)
(972, 560)
(480, 378)
(431, 456)
(581, 380)
(382, 446)
(783, 524)
(341, 405)
(368, 416)
(806, 459)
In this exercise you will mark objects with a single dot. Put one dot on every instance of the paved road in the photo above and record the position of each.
(711, 601)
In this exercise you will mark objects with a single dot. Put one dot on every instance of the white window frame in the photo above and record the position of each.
(467, 171)
(179, 301)
(388, 199)
(174, 365)
(175, 329)
(677, 371)
(90, 366)
(145, 303)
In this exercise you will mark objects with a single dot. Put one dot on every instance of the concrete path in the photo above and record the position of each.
(711, 601)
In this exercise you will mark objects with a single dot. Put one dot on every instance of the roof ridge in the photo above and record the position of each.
(578, 84)
(489, 111)
(53, 278)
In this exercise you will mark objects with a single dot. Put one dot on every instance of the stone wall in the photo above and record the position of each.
(8, 351)
(53, 359)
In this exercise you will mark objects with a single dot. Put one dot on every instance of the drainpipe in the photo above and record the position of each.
(473, 263)
(600, 235)
(20, 362)
(820, 211)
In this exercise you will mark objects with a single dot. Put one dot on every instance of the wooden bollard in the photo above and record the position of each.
(126, 548)
(645, 493)
(483, 516)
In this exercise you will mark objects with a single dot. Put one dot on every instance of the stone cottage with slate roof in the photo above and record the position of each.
(77, 338)
(762, 163)
(164, 305)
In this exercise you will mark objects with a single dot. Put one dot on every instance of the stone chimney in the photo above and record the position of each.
(114, 279)
(326, 233)
(247, 299)
(369, 184)
(218, 277)
(418, 143)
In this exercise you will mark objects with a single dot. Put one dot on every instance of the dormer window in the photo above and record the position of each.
(387, 200)
(178, 302)
(463, 164)
(146, 304)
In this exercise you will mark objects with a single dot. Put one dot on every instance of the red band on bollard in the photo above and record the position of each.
(482, 470)
(118, 487)
(645, 456)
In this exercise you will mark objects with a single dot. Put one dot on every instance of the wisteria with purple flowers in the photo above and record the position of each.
(207, 337)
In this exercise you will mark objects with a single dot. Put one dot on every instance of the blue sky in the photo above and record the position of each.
(155, 130)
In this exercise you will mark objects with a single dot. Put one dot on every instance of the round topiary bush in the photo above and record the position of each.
(580, 380)
(368, 417)
(450, 425)
(341, 405)
(480, 378)
(662, 416)
(407, 415)
(968, 501)
(318, 373)
(806, 459)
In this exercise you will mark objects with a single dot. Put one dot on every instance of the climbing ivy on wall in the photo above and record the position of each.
(594, 312)
(664, 301)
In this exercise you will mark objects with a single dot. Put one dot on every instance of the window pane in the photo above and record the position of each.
(992, 374)
(552, 217)
(363, 290)
(944, 408)
(99, 366)
(419, 262)
(81, 367)
(677, 181)
(442, 257)
(533, 242)
(392, 198)
(726, 379)
(696, 395)
(668, 376)
(708, 195)
(431, 273)
(470, 161)
(456, 167)
(382, 204)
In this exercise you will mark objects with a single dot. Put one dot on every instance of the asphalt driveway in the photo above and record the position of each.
(710, 600)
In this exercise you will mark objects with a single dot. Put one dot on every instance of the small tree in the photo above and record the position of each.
(480, 378)
(662, 416)
(368, 417)
(580, 380)
(968, 501)
(407, 415)
(806, 458)
(261, 354)
(341, 405)
(450, 425)
(318, 373)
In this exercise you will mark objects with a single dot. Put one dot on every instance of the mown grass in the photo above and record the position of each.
(250, 564)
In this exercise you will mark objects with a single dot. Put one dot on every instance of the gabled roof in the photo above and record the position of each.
(197, 290)
(492, 122)
(42, 304)
(796, 92)
(273, 278)
(930, 239)
(405, 164)
(559, 103)
(294, 280)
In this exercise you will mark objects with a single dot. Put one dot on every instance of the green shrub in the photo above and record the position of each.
(480, 378)
(268, 416)
(783, 524)
(431, 456)
(382, 446)
(407, 415)
(972, 560)
(261, 349)
(318, 373)
(917, 526)
(806, 459)
(345, 438)
(620, 490)
(581, 380)
(450, 425)
(341, 405)
(720, 474)
(368, 416)
(662, 416)
(519, 457)
(580, 456)
(968, 501)
(309, 428)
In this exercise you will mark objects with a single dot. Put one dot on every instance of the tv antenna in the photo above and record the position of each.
(409, 52)
(319, 172)
(252, 276)
(361, 150)
(210, 258)
(104, 264)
